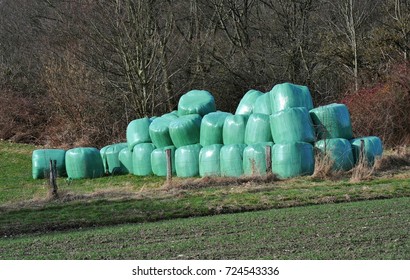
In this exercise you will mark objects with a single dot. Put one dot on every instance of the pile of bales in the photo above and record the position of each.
(205, 142)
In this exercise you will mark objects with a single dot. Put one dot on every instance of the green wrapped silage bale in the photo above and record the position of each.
(172, 115)
(254, 159)
(287, 95)
(111, 161)
(185, 130)
(332, 121)
(41, 162)
(187, 160)
(126, 164)
(159, 161)
(339, 150)
(84, 162)
(292, 125)
(138, 132)
(141, 159)
(245, 106)
(293, 159)
(231, 157)
(373, 148)
(234, 129)
(196, 102)
(209, 161)
(104, 158)
(159, 132)
(257, 129)
(212, 128)
(262, 105)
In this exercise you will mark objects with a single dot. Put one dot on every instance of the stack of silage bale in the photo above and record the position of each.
(207, 142)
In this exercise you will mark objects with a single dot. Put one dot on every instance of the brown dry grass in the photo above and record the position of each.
(323, 166)
(197, 183)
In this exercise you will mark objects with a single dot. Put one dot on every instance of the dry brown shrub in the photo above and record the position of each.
(398, 159)
(323, 166)
(362, 171)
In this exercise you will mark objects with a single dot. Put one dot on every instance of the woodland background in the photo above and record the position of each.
(76, 72)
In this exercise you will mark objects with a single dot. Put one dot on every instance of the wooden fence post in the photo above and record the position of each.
(268, 158)
(169, 166)
(53, 179)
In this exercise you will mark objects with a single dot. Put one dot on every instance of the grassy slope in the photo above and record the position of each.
(124, 199)
(377, 229)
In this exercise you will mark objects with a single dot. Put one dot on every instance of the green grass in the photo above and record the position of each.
(33, 226)
(377, 229)
(24, 207)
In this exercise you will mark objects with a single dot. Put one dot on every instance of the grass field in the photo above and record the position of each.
(377, 229)
(33, 226)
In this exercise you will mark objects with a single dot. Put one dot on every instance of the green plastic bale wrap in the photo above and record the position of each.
(196, 102)
(185, 130)
(373, 148)
(332, 121)
(141, 159)
(254, 159)
(293, 159)
(187, 160)
(292, 125)
(212, 128)
(258, 129)
(159, 161)
(84, 162)
(104, 158)
(125, 158)
(41, 162)
(209, 161)
(138, 132)
(339, 150)
(287, 95)
(172, 115)
(110, 158)
(234, 129)
(232, 160)
(159, 132)
(245, 106)
(262, 105)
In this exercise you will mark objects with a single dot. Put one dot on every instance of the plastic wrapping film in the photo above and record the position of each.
(185, 130)
(212, 128)
(125, 158)
(111, 161)
(373, 148)
(262, 105)
(159, 131)
(172, 115)
(196, 102)
(287, 95)
(41, 162)
(339, 150)
(257, 129)
(141, 159)
(104, 158)
(159, 161)
(231, 157)
(245, 106)
(332, 121)
(84, 162)
(292, 125)
(234, 129)
(293, 159)
(187, 160)
(254, 159)
(209, 161)
(138, 132)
